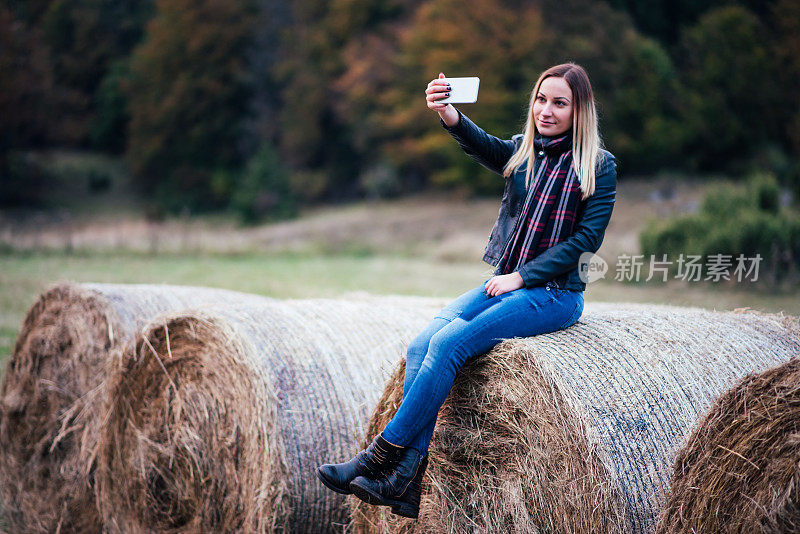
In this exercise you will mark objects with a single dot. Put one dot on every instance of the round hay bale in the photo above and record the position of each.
(575, 431)
(740, 470)
(219, 420)
(52, 388)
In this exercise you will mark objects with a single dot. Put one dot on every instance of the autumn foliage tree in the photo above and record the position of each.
(460, 39)
(508, 45)
(339, 58)
(333, 90)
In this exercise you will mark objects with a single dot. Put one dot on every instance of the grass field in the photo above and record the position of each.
(23, 277)
(428, 246)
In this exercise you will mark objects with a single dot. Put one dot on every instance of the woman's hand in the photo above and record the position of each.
(437, 90)
(503, 283)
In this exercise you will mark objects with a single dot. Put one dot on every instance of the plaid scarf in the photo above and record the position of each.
(549, 214)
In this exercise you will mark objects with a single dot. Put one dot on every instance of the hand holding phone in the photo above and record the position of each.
(442, 91)
(462, 90)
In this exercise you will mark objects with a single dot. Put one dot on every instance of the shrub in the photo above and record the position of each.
(24, 181)
(765, 192)
(681, 235)
(746, 220)
(263, 191)
(725, 201)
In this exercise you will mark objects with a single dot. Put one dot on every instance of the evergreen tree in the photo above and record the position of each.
(84, 38)
(25, 86)
(785, 19)
(267, 49)
(729, 74)
(187, 96)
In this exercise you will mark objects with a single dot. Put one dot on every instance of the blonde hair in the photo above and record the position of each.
(586, 141)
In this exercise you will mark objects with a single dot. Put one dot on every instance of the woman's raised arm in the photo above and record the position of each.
(488, 150)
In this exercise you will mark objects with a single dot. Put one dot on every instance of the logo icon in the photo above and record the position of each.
(591, 267)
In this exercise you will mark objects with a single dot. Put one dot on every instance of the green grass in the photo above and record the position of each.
(24, 276)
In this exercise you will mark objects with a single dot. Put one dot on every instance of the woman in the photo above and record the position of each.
(553, 211)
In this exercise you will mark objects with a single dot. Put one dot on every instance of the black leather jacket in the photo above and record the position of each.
(559, 263)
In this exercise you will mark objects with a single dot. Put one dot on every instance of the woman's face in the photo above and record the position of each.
(552, 108)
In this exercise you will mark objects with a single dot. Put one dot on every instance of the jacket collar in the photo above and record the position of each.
(553, 146)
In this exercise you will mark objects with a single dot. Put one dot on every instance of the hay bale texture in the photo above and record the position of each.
(52, 389)
(740, 471)
(576, 431)
(219, 419)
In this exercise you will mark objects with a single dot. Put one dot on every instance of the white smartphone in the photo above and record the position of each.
(462, 90)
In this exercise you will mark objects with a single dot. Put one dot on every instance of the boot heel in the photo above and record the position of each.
(406, 510)
(366, 495)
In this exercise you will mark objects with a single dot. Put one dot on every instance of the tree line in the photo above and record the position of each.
(263, 104)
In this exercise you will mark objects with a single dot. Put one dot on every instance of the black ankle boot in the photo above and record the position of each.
(399, 487)
(410, 505)
(379, 455)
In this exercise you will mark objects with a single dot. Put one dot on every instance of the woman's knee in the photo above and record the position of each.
(416, 353)
(416, 350)
(445, 351)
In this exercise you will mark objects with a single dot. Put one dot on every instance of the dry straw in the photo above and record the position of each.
(576, 431)
(219, 419)
(740, 471)
(52, 389)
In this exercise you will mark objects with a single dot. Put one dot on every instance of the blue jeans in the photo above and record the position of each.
(469, 326)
